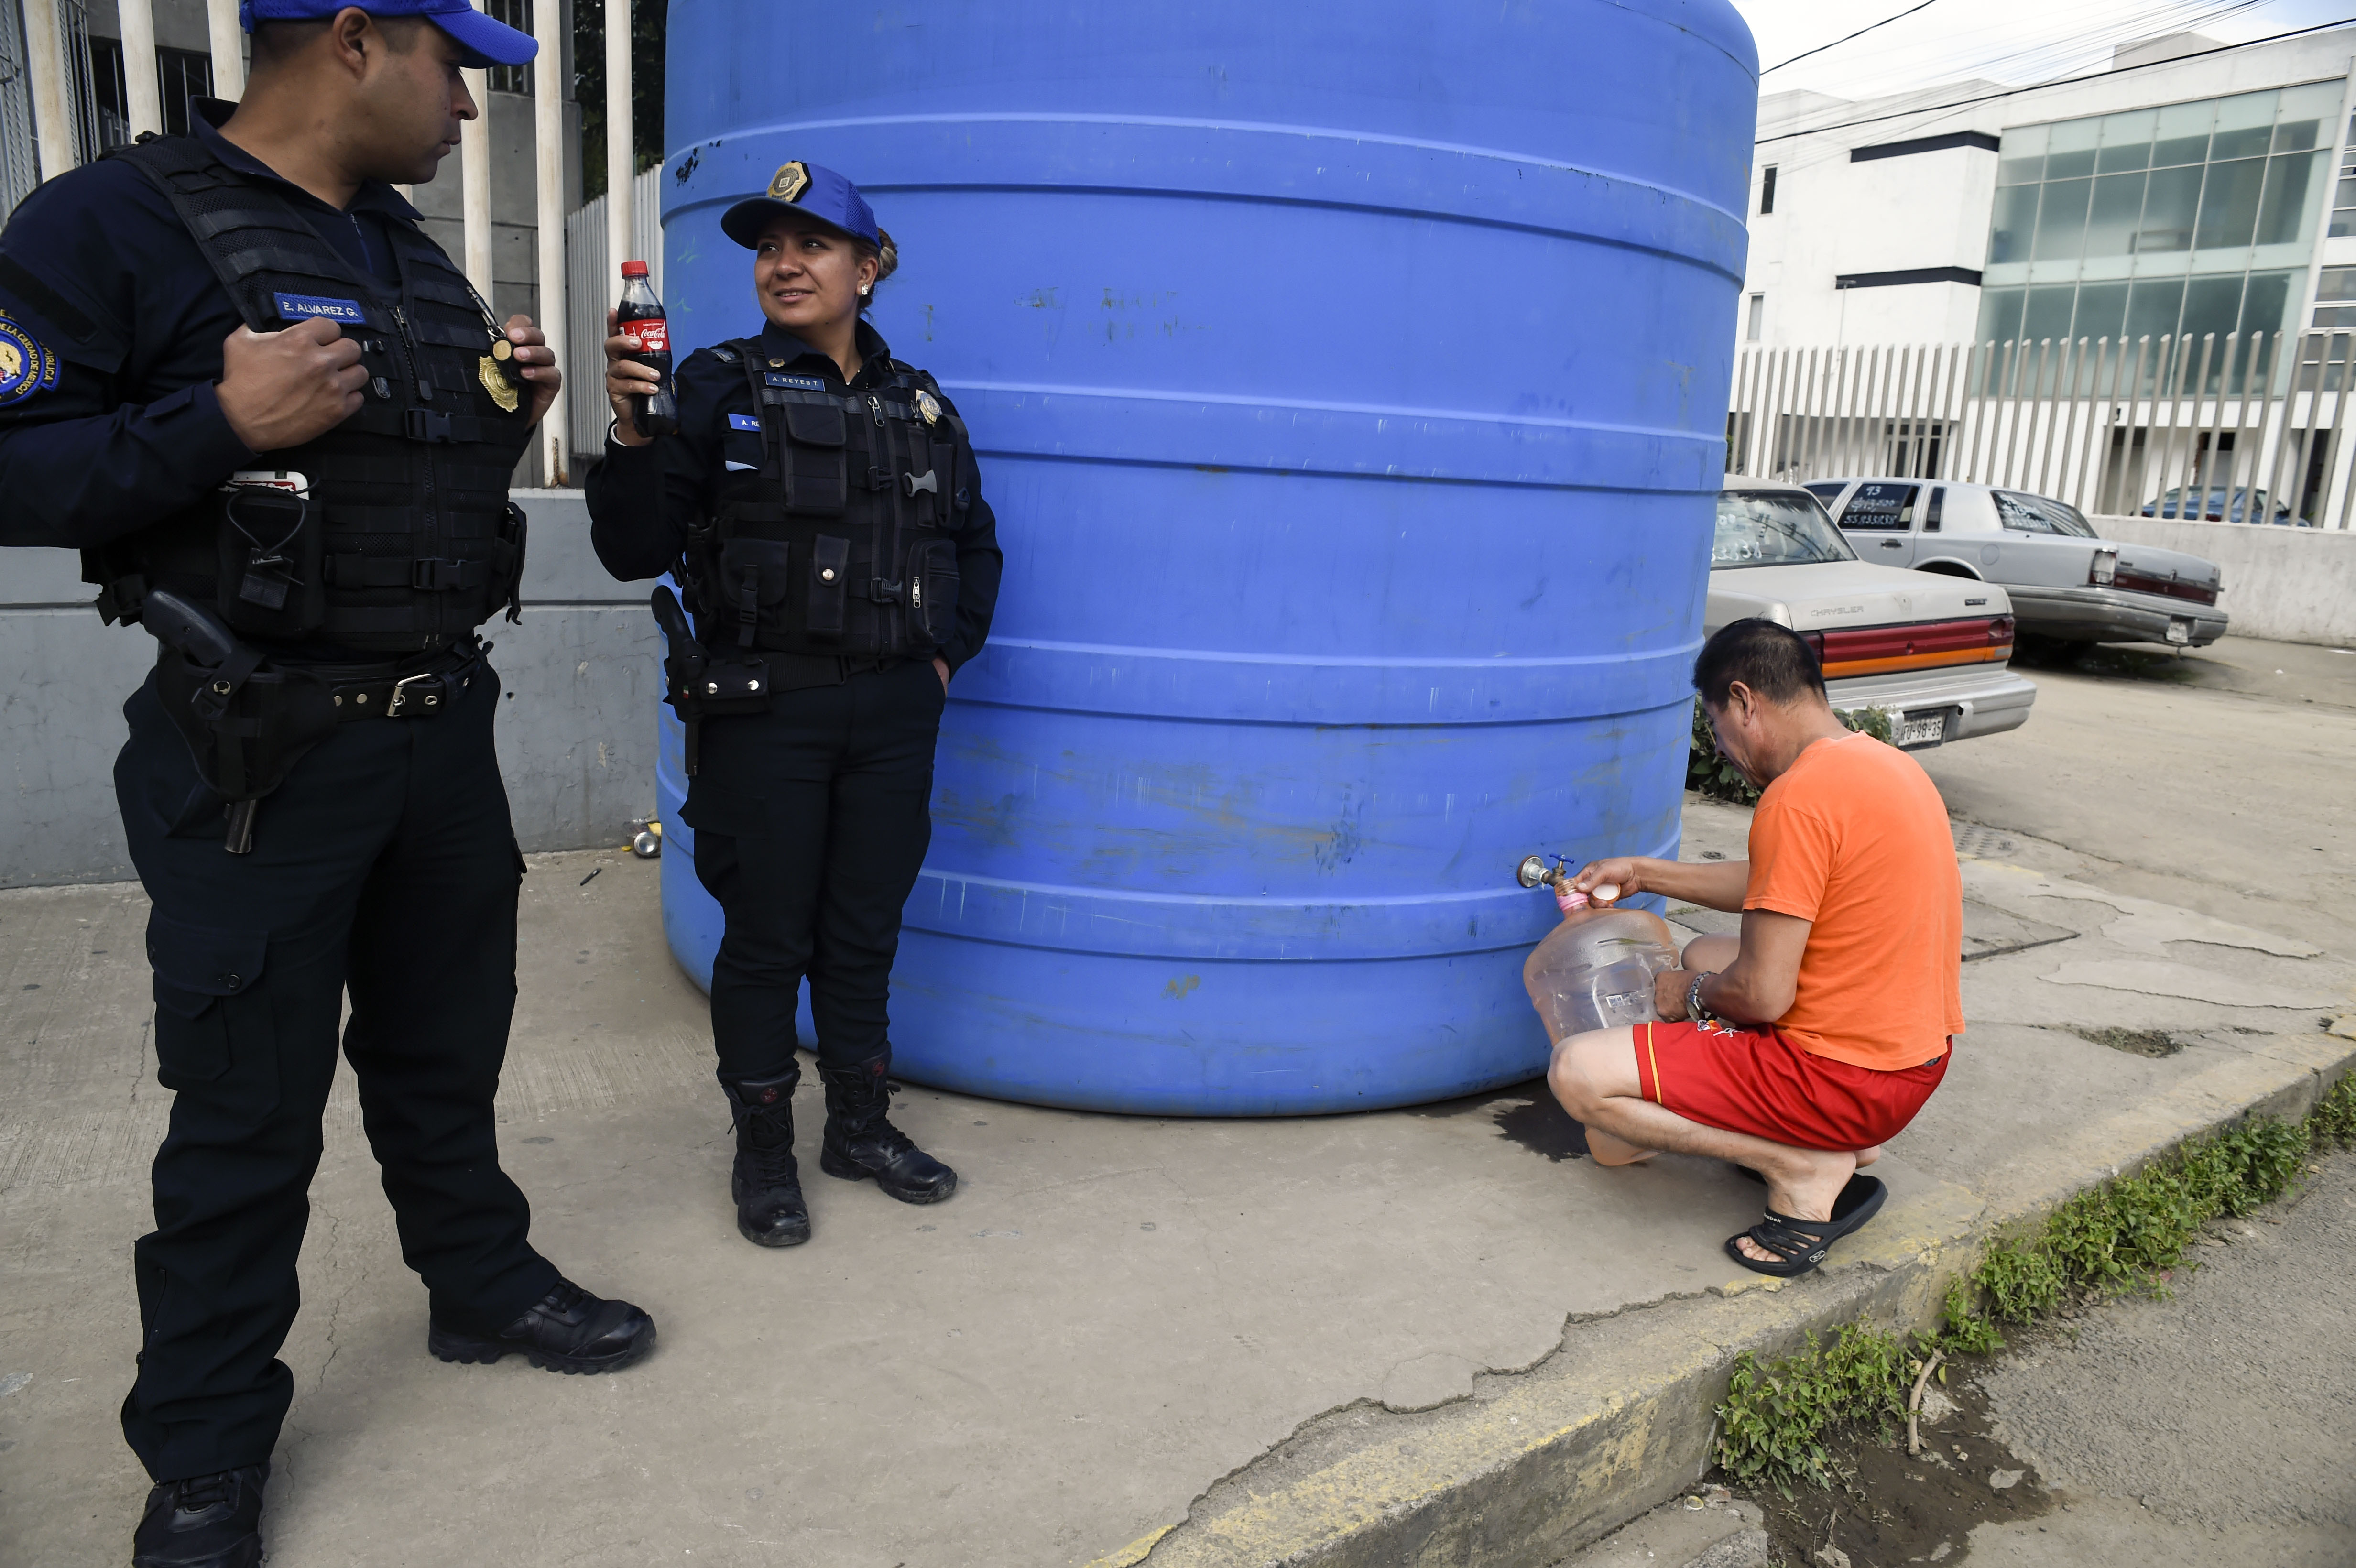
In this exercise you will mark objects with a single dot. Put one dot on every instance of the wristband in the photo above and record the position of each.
(1695, 1011)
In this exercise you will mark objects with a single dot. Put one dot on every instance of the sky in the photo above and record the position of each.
(2011, 41)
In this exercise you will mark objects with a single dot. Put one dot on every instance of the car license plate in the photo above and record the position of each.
(2180, 630)
(1927, 730)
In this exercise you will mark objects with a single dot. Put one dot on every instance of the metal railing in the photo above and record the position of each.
(2108, 425)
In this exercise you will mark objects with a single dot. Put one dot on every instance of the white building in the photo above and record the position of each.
(2189, 189)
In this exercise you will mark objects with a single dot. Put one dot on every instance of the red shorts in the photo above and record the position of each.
(1755, 1080)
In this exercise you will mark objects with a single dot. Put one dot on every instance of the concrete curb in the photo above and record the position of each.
(1540, 1462)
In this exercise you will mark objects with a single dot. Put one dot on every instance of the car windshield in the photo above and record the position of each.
(1774, 528)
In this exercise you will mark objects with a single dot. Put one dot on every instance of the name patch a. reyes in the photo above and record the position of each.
(299, 307)
(745, 421)
(802, 383)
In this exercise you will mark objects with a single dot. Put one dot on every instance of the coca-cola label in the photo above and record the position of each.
(652, 336)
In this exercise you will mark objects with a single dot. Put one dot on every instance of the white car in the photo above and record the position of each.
(1932, 652)
(2070, 588)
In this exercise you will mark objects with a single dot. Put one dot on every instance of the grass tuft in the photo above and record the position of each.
(2122, 1236)
(1711, 775)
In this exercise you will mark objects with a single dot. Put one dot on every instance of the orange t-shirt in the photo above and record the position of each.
(1855, 838)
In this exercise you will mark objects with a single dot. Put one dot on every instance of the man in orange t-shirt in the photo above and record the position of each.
(1798, 1049)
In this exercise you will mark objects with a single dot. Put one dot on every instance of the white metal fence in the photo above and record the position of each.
(593, 283)
(2248, 428)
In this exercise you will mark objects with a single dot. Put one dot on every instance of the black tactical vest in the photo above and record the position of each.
(837, 542)
(406, 540)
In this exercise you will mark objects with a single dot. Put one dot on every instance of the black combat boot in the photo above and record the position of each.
(567, 1331)
(205, 1521)
(861, 1141)
(767, 1182)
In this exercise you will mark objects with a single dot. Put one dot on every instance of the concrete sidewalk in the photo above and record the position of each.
(1403, 1337)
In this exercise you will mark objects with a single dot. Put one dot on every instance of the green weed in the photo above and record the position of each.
(1711, 775)
(2124, 1235)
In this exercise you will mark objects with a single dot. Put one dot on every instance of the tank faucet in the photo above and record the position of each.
(1534, 872)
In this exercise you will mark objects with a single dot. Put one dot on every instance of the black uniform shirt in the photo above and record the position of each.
(643, 498)
(97, 267)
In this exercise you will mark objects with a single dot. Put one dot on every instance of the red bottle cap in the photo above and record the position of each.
(634, 269)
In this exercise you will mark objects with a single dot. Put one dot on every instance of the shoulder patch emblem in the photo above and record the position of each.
(929, 406)
(790, 181)
(25, 367)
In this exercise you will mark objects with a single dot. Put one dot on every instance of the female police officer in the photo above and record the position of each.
(820, 508)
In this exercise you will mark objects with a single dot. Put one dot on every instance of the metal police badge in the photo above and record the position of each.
(25, 368)
(495, 381)
(791, 181)
(929, 406)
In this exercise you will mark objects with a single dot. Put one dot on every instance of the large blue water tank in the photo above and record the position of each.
(1350, 382)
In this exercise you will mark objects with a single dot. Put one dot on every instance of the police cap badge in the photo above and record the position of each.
(790, 182)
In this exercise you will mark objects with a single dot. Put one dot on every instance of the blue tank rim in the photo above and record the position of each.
(914, 150)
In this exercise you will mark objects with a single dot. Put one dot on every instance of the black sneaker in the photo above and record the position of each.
(569, 1331)
(205, 1521)
(765, 1181)
(861, 1141)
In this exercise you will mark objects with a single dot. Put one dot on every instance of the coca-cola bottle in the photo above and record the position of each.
(641, 320)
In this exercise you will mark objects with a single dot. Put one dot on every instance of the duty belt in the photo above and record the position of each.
(396, 691)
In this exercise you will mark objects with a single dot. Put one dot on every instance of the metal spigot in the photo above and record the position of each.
(1534, 872)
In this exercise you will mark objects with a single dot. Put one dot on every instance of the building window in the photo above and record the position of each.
(1758, 318)
(2187, 219)
(1767, 191)
(187, 73)
(2335, 297)
(516, 14)
(2343, 198)
(181, 74)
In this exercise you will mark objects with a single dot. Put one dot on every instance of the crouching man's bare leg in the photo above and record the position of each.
(1594, 1075)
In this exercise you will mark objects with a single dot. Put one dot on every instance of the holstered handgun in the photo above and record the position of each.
(698, 683)
(247, 722)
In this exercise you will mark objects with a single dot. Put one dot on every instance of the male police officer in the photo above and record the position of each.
(279, 425)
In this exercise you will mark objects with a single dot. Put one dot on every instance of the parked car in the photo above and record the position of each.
(1934, 653)
(2071, 588)
(2244, 505)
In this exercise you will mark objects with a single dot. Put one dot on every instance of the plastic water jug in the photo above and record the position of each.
(1596, 969)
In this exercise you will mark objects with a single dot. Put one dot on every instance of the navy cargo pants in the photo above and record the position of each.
(385, 867)
(811, 822)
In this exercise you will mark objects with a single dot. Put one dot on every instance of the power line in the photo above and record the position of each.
(2063, 81)
(1859, 33)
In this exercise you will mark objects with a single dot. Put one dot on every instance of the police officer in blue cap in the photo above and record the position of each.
(280, 427)
(820, 509)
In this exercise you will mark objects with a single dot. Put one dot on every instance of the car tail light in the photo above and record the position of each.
(2104, 568)
(2000, 632)
(1816, 641)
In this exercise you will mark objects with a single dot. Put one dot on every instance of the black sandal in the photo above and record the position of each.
(1800, 1245)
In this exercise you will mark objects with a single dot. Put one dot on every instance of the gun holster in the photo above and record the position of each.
(247, 722)
(699, 684)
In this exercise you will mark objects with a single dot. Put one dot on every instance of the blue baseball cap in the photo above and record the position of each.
(812, 190)
(486, 42)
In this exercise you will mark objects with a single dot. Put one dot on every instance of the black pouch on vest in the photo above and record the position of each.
(814, 460)
(271, 576)
(755, 575)
(829, 577)
(932, 591)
